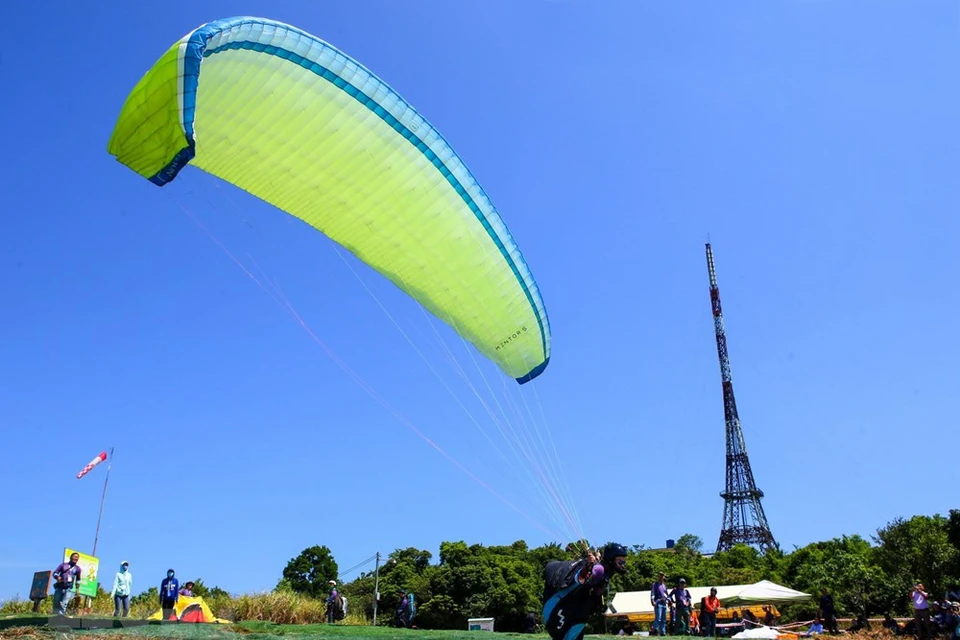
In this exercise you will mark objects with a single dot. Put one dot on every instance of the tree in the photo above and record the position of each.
(846, 567)
(917, 549)
(309, 572)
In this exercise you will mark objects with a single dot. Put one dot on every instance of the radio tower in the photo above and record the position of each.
(743, 517)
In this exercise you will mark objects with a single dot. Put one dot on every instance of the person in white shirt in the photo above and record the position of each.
(122, 587)
(921, 611)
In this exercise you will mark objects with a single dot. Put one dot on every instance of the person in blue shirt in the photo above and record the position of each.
(169, 594)
(816, 628)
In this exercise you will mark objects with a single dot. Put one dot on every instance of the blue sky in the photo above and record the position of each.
(814, 141)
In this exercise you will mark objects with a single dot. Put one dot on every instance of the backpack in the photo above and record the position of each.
(560, 574)
(339, 605)
(412, 607)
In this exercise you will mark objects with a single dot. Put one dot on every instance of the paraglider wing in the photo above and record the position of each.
(296, 122)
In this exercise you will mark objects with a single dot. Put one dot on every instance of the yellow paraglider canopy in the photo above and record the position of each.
(298, 123)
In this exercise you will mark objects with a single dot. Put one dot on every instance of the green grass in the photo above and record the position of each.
(261, 631)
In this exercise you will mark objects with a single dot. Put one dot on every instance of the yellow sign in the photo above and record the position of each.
(89, 567)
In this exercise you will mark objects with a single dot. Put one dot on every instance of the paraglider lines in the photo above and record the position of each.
(276, 296)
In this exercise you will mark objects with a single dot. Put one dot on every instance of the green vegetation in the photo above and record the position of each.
(504, 582)
(257, 631)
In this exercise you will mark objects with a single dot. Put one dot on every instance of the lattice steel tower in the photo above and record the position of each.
(743, 517)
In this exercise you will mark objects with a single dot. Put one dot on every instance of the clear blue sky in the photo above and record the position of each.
(815, 141)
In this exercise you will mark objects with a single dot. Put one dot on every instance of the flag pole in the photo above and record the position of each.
(102, 498)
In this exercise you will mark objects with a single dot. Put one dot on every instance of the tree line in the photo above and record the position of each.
(872, 576)
(505, 582)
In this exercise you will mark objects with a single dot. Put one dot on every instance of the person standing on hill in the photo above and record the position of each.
(828, 612)
(404, 616)
(122, 588)
(682, 602)
(334, 603)
(709, 607)
(921, 611)
(573, 591)
(67, 576)
(169, 594)
(660, 601)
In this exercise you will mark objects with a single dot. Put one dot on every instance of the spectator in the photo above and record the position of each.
(952, 619)
(709, 607)
(921, 611)
(681, 599)
(769, 619)
(67, 577)
(891, 624)
(659, 599)
(828, 613)
(169, 594)
(187, 590)
(122, 588)
(531, 622)
(332, 600)
(859, 624)
(816, 628)
(403, 610)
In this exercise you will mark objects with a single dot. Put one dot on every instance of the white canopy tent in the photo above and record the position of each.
(636, 604)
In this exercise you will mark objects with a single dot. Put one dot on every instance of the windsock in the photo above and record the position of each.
(100, 458)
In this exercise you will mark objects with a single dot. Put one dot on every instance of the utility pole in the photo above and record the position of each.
(376, 588)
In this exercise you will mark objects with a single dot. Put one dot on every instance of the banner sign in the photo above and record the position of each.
(89, 566)
(41, 585)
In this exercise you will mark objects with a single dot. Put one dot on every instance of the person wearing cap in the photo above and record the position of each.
(403, 618)
(682, 602)
(122, 588)
(332, 601)
(709, 607)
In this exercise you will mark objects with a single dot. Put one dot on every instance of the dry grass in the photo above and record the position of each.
(24, 633)
(282, 608)
(288, 608)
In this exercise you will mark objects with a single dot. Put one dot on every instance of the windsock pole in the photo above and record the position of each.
(96, 539)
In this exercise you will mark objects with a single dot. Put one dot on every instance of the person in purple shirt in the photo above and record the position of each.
(682, 608)
(660, 601)
(332, 602)
(403, 610)
(67, 576)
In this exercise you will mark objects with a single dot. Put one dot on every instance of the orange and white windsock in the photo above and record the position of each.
(100, 458)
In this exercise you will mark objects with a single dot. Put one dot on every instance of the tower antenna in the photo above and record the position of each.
(744, 521)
